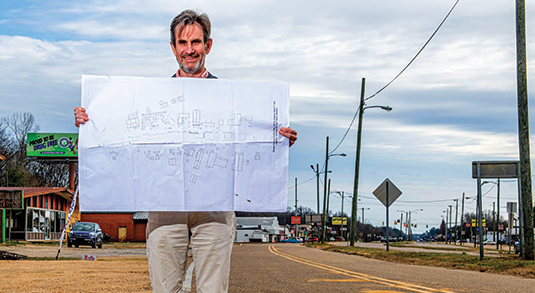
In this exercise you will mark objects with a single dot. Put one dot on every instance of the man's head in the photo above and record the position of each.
(190, 41)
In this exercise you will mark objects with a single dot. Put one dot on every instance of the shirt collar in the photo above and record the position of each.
(204, 74)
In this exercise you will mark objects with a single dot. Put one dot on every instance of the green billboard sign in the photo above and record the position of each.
(52, 145)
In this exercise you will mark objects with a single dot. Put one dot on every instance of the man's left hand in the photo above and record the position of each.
(288, 133)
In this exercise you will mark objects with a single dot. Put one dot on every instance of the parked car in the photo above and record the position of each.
(489, 242)
(313, 239)
(85, 233)
(339, 238)
(292, 240)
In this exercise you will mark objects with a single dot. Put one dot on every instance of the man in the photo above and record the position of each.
(210, 234)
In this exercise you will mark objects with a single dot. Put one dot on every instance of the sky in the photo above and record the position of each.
(455, 104)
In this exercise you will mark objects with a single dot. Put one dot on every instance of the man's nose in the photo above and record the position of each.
(189, 49)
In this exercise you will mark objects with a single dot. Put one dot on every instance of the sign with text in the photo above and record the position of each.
(296, 220)
(339, 221)
(52, 145)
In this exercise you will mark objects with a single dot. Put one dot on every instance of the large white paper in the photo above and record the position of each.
(183, 144)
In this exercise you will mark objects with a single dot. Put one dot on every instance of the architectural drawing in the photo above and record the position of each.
(172, 140)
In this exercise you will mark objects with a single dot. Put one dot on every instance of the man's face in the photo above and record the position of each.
(190, 49)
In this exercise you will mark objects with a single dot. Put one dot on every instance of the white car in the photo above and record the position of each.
(489, 242)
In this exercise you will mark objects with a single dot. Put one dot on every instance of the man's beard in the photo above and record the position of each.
(194, 69)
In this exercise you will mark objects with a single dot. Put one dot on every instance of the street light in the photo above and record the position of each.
(317, 171)
(498, 204)
(327, 156)
(362, 107)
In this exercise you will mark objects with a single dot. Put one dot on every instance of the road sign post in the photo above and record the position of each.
(387, 193)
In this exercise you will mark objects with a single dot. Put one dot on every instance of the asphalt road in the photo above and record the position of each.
(295, 268)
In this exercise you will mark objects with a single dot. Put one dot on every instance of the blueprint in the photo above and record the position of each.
(183, 144)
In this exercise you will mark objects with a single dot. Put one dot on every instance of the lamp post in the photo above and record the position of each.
(410, 221)
(324, 220)
(318, 172)
(362, 107)
(363, 235)
(462, 216)
(341, 193)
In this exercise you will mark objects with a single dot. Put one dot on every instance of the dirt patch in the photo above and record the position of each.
(105, 275)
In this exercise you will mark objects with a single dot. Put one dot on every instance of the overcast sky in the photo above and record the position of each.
(455, 104)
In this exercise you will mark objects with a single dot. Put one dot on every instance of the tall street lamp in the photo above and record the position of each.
(317, 171)
(498, 204)
(324, 219)
(362, 107)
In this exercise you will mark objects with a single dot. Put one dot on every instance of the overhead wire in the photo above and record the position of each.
(399, 74)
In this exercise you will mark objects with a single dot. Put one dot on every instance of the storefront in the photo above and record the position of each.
(42, 216)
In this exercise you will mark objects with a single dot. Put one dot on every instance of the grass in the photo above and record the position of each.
(505, 264)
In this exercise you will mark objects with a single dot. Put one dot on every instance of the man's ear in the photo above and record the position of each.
(208, 46)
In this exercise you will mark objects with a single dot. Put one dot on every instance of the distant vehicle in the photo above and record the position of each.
(313, 239)
(517, 247)
(489, 242)
(462, 241)
(292, 240)
(85, 233)
(339, 238)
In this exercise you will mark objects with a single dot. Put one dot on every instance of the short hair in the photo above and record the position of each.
(189, 17)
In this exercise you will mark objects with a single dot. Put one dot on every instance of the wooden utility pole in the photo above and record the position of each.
(354, 205)
(523, 130)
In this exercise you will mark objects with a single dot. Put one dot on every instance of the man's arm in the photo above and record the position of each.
(80, 116)
(288, 133)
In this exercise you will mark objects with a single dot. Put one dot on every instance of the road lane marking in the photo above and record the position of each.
(337, 280)
(370, 278)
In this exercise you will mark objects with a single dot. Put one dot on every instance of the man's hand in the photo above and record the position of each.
(288, 133)
(80, 116)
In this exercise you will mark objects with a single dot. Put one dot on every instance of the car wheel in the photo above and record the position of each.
(69, 244)
(93, 245)
(76, 245)
(100, 245)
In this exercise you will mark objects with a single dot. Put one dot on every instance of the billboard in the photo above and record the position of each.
(338, 221)
(296, 220)
(52, 145)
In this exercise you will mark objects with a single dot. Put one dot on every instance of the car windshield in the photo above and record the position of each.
(83, 227)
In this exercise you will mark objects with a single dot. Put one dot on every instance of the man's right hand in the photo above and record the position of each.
(80, 116)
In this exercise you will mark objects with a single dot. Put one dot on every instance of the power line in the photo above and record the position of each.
(401, 72)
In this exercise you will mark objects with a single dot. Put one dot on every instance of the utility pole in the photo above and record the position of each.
(296, 227)
(324, 220)
(317, 171)
(456, 214)
(494, 219)
(342, 229)
(450, 218)
(409, 234)
(462, 219)
(523, 130)
(447, 235)
(498, 198)
(357, 162)
(401, 227)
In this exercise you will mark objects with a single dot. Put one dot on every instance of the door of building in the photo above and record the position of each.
(122, 234)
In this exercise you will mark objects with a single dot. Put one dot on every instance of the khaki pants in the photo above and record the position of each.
(211, 236)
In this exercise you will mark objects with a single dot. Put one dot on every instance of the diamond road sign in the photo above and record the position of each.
(393, 192)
